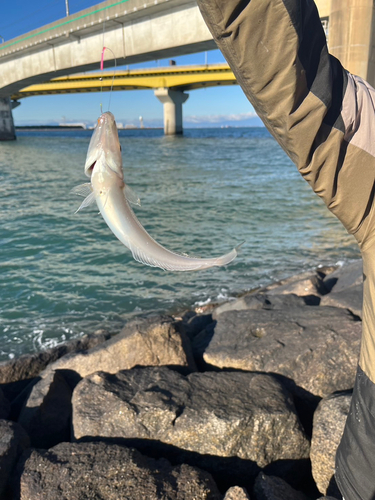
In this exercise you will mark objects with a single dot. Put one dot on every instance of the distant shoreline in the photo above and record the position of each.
(80, 127)
(73, 127)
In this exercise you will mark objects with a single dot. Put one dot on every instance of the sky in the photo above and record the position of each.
(212, 107)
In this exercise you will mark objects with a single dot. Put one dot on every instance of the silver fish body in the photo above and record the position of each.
(107, 188)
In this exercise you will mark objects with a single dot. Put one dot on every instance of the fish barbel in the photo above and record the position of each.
(107, 187)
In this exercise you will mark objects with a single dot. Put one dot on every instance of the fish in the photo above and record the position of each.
(113, 197)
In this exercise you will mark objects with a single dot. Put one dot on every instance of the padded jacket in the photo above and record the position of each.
(324, 119)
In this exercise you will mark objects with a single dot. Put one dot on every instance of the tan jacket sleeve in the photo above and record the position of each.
(319, 114)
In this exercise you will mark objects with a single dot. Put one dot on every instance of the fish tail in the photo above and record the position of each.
(228, 257)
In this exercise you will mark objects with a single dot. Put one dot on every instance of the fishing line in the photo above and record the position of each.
(101, 78)
(113, 76)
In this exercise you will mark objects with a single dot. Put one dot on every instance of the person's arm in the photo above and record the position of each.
(321, 116)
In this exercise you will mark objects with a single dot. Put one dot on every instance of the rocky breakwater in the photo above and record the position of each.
(246, 401)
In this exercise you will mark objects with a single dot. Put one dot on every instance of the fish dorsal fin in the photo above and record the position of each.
(131, 196)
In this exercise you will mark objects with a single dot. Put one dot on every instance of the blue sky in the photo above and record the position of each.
(205, 107)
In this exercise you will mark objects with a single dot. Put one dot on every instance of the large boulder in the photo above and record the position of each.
(13, 441)
(316, 347)
(81, 471)
(236, 493)
(328, 426)
(344, 277)
(46, 415)
(275, 488)
(230, 423)
(350, 298)
(147, 342)
(345, 287)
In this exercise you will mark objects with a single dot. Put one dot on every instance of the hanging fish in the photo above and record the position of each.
(112, 195)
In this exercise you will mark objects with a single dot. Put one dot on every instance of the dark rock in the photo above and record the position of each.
(152, 342)
(47, 413)
(351, 298)
(275, 488)
(328, 426)
(345, 277)
(316, 348)
(4, 406)
(236, 493)
(16, 374)
(13, 441)
(229, 423)
(81, 471)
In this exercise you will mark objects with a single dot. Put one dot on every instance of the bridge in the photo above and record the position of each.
(143, 30)
(169, 85)
(135, 31)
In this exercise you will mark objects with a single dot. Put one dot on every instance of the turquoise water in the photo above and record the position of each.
(64, 274)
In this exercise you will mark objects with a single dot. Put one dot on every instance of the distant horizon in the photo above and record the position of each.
(206, 121)
(78, 127)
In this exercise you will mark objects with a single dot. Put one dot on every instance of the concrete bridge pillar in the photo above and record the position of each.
(172, 101)
(7, 132)
(352, 36)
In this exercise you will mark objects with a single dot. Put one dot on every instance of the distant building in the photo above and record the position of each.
(75, 125)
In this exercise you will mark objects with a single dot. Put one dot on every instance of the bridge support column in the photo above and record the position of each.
(7, 132)
(352, 36)
(172, 102)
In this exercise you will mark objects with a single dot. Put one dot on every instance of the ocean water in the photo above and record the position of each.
(65, 274)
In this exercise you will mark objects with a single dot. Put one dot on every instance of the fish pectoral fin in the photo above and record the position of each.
(131, 196)
(82, 190)
(87, 201)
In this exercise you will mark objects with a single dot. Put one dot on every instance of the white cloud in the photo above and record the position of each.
(239, 117)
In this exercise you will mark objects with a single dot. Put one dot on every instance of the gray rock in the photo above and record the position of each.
(102, 471)
(230, 421)
(13, 441)
(316, 347)
(17, 373)
(4, 406)
(260, 301)
(236, 493)
(345, 277)
(146, 342)
(46, 415)
(351, 298)
(328, 426)
(275, 488)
